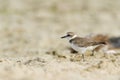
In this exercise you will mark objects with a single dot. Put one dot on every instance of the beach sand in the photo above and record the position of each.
(30, 44)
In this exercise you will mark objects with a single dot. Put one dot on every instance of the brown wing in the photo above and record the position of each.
(83, 42)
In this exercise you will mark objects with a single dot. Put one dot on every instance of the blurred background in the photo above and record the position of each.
(61, 16)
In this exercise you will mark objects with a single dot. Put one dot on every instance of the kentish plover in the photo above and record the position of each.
(81, 44)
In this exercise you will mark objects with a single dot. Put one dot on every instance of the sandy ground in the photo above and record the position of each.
(30, 44)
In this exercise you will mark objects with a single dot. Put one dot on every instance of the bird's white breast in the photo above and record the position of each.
(80, 49)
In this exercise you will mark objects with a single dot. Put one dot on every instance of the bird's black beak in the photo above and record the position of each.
(64, 36)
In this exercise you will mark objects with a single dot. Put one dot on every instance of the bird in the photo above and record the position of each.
(81, 44)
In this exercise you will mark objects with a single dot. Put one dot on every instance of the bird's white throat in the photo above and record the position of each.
(69, 38)
(74, 36)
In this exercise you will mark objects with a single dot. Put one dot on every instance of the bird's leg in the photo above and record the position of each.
(83, 57)
(93, 52)
(104, 54)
